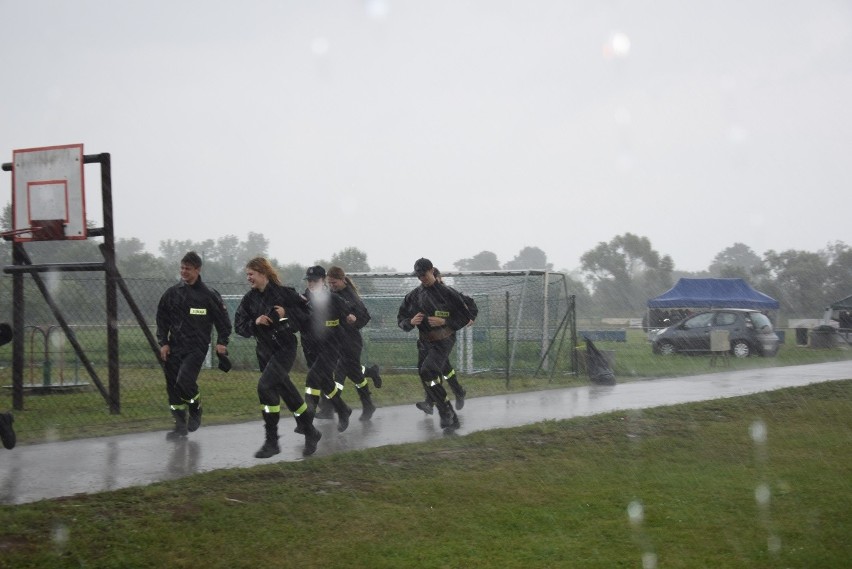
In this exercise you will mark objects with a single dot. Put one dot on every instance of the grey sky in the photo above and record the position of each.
(443, 128)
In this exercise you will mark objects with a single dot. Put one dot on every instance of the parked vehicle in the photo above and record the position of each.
(749, 332)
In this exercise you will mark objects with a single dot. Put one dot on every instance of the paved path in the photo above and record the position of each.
(35, 472)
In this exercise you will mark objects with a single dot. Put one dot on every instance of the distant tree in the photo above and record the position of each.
(838, 255)
(255, 245)
(227, 252)
(128, 247)
(6, 217)
(173, 250)
(529, 258)
(351, 260)
(133, 261)
(738, 260)
(482, 261)
(797, 280)
(292, 275)
(625, 273)
(582, 297)
(144, 265)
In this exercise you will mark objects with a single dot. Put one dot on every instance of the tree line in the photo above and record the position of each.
(615, 278)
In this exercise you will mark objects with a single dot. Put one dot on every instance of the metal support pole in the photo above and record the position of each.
(508, 343)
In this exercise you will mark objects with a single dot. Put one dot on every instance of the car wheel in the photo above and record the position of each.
(740, 349)
(666, 348)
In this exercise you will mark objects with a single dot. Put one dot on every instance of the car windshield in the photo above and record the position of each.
(760, 320)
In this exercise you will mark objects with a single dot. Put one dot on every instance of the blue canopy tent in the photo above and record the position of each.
(689, 295)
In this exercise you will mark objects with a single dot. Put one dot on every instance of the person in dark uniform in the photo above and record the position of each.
(272, 313)
(449, 372)
(322, 343)
(437, 311)
(7, 431)
(349, 364)
(186, 315)
(7, 420)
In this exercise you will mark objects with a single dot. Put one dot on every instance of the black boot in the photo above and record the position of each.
(325, 410)
(449, 419)
(343, 412)
(458, 391)
(367, 406)
(194, 420)
(270, 444)
(438, 394)
(312, 434)
(180, 429)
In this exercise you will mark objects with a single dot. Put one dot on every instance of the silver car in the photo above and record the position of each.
(749, 331)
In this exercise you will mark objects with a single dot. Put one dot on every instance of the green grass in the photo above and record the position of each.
(556, 494)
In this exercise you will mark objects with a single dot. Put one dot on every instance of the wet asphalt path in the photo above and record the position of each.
(30, 473)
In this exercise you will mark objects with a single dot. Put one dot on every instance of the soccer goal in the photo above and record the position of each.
(526, 322)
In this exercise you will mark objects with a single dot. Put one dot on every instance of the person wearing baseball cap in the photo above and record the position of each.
(449, 372)
(437, 311)
(322, 344)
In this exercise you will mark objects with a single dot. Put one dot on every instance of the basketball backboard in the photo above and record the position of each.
(48, 194)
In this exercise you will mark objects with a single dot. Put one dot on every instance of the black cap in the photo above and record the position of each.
(422, 266)
(315, 273)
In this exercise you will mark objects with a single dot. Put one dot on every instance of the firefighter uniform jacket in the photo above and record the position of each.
(357, 307)
(436, 300)
(328, 312)
(278, 335)
(186, 315)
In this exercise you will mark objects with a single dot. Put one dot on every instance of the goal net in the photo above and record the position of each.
(526, 321)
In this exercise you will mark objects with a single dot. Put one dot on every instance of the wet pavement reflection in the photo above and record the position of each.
(34, 472)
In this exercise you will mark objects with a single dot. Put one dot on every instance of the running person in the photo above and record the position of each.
(449, 373)
(186, 315)
(7, 420)
(349, 364)
(437, 311)
(271, 313)
(322, 342)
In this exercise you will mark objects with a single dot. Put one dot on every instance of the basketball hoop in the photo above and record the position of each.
(41, 230)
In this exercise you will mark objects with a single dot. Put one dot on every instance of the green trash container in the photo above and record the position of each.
(801, 336)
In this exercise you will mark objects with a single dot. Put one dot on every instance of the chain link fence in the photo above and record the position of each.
(526, 325)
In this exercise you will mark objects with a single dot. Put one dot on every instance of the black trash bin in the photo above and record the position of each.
(823, 337)
(801, 336)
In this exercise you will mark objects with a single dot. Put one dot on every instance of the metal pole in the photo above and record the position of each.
(111, 288)
(508, 348)
(18, 327)
(544, 323)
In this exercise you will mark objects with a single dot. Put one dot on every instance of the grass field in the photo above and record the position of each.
(758, 481)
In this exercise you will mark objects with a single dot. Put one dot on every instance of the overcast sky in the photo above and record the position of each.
(443, 128)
